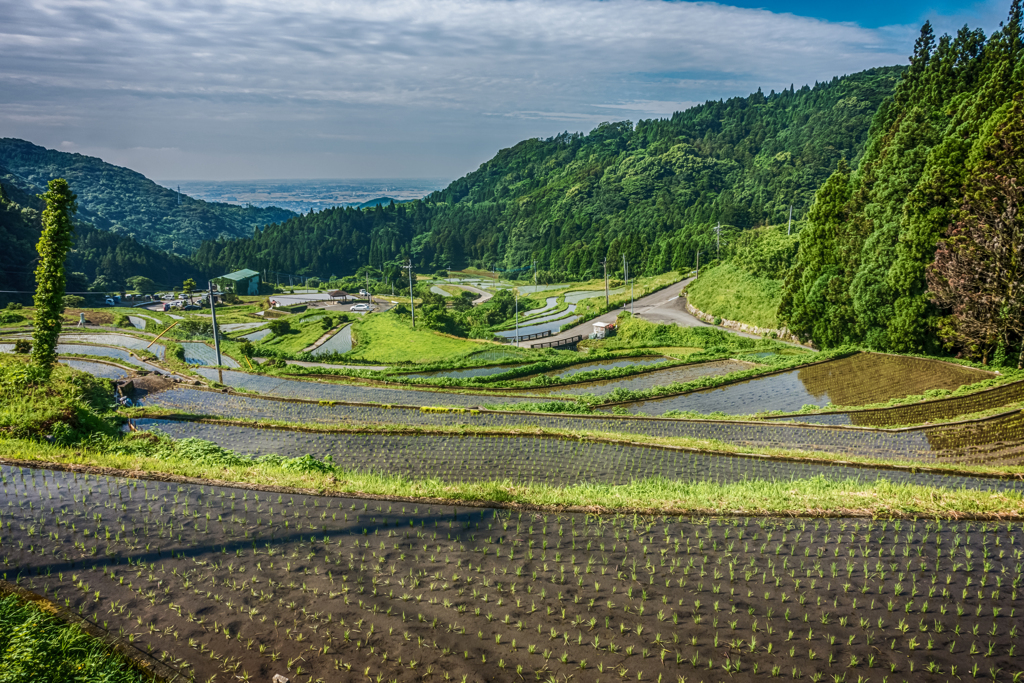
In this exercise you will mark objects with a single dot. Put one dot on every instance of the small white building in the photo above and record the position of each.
(601, 330)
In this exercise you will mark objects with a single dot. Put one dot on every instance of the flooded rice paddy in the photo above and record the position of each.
(537, 459)
(649, 380)
(857, 380)
(465, 372)
(197, 353)
(341, 342)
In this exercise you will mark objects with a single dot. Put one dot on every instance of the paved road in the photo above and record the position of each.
(664, 306)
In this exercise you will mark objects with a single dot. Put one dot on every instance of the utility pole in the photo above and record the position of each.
(718, 241)
(698, 264)
(625, 270)
(605, 264)
(213, 313)
(517, 316)
(790, 228)
(412, 302)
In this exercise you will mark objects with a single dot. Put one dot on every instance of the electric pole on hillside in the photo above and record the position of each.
(213, 314)
(718, 241)
(605, 264)
(412, 303)
(790, 228)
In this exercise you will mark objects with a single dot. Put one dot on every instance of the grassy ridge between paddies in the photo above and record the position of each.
(140, 456)
(730, 292)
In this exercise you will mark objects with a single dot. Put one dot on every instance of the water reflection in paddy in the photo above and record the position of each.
(861, 379)
(648, 380)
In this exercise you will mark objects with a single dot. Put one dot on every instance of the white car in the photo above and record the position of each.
(361, 307)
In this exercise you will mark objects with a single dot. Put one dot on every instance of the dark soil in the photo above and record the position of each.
(234, 584)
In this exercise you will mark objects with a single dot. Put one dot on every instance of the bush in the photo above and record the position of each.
(8, 317)
(22, 346)
(441, 274)
(279, 327)
(247, 349)
(717, 321)
(327, 322)
(192, 328)
(73, 301)
(14, 306)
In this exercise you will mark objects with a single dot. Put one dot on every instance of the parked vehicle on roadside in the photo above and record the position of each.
(361, 307)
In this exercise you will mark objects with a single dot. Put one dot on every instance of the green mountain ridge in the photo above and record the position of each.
(100, 259)
(649, 192)
(127, 203)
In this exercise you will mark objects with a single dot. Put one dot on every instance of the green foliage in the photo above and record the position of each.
(733, 293)
(649, 192)
(861, 271)
(39, 646)
(280, 327)
(22, 346)
(31, 406)
(73, 301)
(53, 247)
(10, 317)
(193, 328)
(128, 204)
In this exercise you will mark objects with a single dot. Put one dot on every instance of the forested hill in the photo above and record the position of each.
(921, 245)
(650, 191)
(100, 260)
(127, 203)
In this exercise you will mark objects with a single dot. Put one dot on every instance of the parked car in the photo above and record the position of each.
(110, 302)
(363, 292)
(361, 307)
(191, 307)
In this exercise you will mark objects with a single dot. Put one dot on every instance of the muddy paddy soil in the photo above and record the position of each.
(244, 585)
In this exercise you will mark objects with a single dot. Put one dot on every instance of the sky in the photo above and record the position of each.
(247, 89)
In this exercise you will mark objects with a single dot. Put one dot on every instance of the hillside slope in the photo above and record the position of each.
(650, 192)
(99, 258)
(127, 203)
(954, 124)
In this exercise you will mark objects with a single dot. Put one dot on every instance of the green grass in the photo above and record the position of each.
(729, 292)
(70, 405)
(386, 338)
(37, 645)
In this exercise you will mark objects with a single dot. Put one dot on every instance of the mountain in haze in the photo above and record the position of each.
(651, 192)
(127, 203)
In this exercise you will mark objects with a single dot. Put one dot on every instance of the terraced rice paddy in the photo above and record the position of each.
(925, 411)
(248, 584)
(121, 340)
(341, 342)
(256, 336)
(860, 379)
(197, 353)
(927, 445)
(607, 365)
(649, 380)
(466, 372)
(116, 354)
(238, 327)
(533, 459)
(137, 322)
(96, 369)
(288, 388)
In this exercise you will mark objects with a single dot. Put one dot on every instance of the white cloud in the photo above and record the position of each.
(234, 74)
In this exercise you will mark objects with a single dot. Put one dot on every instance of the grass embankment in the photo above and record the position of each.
(818, 497)
(383, 338)
(37, 645)
(730, 292)
(641, 286)
(70, 406)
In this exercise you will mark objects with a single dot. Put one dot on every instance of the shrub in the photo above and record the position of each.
(73, 301)
(14, 306)
(717, 320)
(279, 327)
(22, 346)
(247, 349)
(191, 328)
(7, 317)
(327, 322)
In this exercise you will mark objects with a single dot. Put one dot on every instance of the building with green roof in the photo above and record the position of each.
(240, 282)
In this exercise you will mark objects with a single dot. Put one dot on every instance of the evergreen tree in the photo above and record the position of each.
(53, 247)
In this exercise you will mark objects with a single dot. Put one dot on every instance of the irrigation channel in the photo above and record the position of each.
(243, 584)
